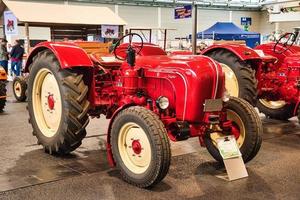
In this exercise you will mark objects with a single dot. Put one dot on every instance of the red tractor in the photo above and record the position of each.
(149, 98)
(267, 76)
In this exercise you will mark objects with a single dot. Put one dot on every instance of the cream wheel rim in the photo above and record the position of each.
(134, 148)
(272, 104)
(18, 89)
(231, 81)
(236, 121)
(47, 103)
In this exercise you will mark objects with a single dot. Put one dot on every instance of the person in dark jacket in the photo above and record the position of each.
(16, 56)
(3, 54)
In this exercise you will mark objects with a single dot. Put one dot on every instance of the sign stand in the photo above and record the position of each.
(232, 159)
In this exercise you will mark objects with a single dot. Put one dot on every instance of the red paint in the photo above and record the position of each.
(278, 80)
(241, 51)
(235, 131)
(68, 54)
(186, 80)
(136, 146)
(51, 102)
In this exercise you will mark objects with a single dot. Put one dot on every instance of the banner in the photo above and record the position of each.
(109, 31)
(183, 12)
(10, 23)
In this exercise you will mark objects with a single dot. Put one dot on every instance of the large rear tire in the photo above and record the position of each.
(140, 147)
(240, 80)
(57, 104)
(19, 88)
(248, 126)
(2, 95)
(276, 109)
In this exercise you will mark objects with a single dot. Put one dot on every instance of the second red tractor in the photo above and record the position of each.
(267, 77)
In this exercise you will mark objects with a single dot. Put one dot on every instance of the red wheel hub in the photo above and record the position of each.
(235, 131)
(136, 147)
(51, 102)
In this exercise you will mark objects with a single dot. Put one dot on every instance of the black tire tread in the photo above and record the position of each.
(254, 144)
(23, 83)
(75, 103)
(162, 143)
(243, 71)
(283, 113)
(2, 93)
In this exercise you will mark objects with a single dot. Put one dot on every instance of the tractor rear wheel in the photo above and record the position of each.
(2, 95)
(57, 104)
(246, 127)
(276, 109)
(140, 146)
(240, 80)
(19, 88)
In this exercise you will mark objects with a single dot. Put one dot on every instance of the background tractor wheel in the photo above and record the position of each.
(2, 93)
(57, 104)
(247, 129)
(276, 109)
(19, 88)
(140, 146)
(240, 80)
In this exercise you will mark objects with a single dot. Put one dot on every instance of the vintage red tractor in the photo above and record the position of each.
(149, 98)
(267, 76)
(3, 80)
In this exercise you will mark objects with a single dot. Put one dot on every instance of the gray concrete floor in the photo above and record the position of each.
(26, 172)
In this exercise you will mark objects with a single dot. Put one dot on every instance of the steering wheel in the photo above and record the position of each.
(291, 38)
(120, 51)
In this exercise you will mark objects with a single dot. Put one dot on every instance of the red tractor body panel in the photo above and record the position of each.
(242, 51)
(279, 80)
(182, 77)
(281, 58)
(68, 54)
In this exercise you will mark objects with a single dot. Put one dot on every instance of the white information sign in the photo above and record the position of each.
(10, 23)
(228, 147)
(232, 158)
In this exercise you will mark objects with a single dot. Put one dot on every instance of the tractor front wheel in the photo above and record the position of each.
(2, 95)
(140, 146)
(57, 104)
(246, 127)
(276, 109)
(19, 88)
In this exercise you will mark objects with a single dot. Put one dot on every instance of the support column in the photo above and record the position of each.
(117, 9)
(27, 48)
(194, 30)
(277, 27)
(230, 16)
(159, 23)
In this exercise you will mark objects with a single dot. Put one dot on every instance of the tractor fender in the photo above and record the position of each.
(110, 157)
(243, 52)
(68, 54)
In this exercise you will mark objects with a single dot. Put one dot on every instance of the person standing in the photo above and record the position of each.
(3, 54)
(16, 56)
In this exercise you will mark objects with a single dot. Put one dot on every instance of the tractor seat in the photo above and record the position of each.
(107, 62)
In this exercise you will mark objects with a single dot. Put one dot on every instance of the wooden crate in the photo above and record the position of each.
(96, 48)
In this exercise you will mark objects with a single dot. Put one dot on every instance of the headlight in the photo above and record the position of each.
(226, 96)
(162, 102)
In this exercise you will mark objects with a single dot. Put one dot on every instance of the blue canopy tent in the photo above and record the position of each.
(229, 31)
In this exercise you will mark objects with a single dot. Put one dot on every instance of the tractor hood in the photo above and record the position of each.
(293, 60)
(194, 79)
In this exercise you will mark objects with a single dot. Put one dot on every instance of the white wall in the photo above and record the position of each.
(137, 16)
(36, 33)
